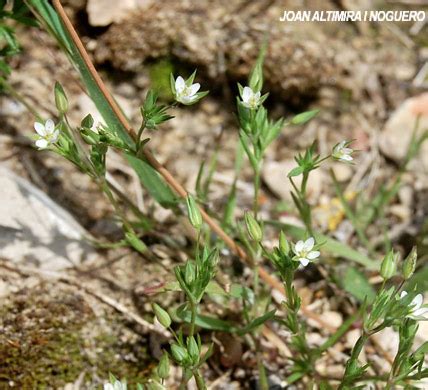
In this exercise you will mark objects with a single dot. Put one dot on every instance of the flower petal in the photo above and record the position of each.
(299, 246)
(40, 128)
(347, 150)
(346, 157)
(49, 126)
(194, 88)
(246, 94)
(313, 255)
(420, 312)
(180, 84)
(187, 99)
(55, 136)
(417, 302)
(42, 143)
(304, 261)
(403, 294)
(309, 244)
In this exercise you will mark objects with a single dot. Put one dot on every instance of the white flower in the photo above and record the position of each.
(250, 99)
(47, 134)
(416, 310)
(117, 385)
(185, 94)
(304, 252)
(341, 152)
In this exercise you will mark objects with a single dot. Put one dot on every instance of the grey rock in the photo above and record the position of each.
(398, 130)
(34, 230)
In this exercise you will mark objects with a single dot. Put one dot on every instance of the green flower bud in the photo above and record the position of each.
(189, 272)
(256, 75)
(153, 385)
(409, 265)
(87, 121)
(61, 101)
(89, 137)
(410, 329)
(195, 216)
(253, 227)
(135, 242)
(162, 315)
(389, 265)
(193, 349)
(284, 246)
(163, 366)
(179, 353)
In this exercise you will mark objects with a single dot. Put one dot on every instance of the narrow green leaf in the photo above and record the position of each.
(135, 242)
(296, 171)
(257, 322)
(419, 281)
(356, 283)
(208, 322)
(304, 117)
(422, 349)
(151, 181)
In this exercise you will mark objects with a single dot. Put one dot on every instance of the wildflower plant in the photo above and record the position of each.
(86, 146)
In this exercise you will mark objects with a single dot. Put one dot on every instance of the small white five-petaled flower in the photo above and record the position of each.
(342, 152)
(47, 134)
(116, 385)
(250, 99)
(185, 94)
(304, 252)
(416, 310)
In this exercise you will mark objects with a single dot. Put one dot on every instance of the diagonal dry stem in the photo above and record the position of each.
(168, 177)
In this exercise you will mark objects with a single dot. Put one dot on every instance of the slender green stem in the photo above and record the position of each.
(333, 339)
(351, 216)
(192, 318)
(263, 381)
(200, 383)
(140, 133)
(20, 98)
(301, 202)
(385, 196)
(106, 189)
(256, 191)
(351, 363)
(304, 184)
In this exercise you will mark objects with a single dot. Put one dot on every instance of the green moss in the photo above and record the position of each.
(49, 341)
(159, 73)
